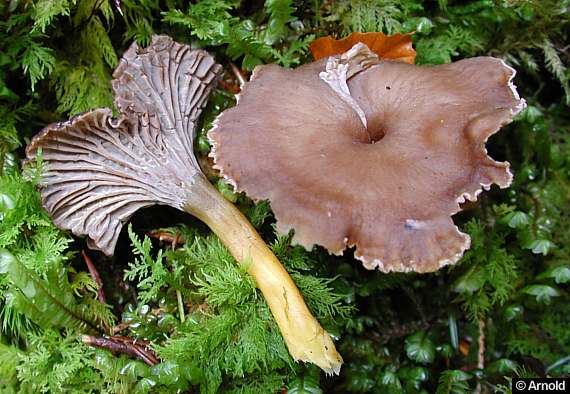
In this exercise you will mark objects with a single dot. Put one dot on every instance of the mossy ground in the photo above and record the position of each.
(398, 333)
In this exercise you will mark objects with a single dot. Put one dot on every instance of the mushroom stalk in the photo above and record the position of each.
(305, 338)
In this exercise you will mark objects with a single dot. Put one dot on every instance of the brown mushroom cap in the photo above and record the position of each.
(388, 188)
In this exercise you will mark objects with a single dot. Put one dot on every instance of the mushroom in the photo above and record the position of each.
(355, 151)
(99, 170)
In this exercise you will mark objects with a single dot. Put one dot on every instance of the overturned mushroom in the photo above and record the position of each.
(100, 170)
(356, 151)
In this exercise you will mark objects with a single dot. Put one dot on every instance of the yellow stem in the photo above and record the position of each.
(305, 338)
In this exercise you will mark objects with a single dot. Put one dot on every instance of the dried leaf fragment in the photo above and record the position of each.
(397, 47)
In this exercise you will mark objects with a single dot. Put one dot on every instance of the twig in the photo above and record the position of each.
(163, 236)
(174, 240)
(141, 347)
(481, 351)
(229, 87)
(238, 74)
(96, 277)
(124, 345)
(120, 327)
(178, 293)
